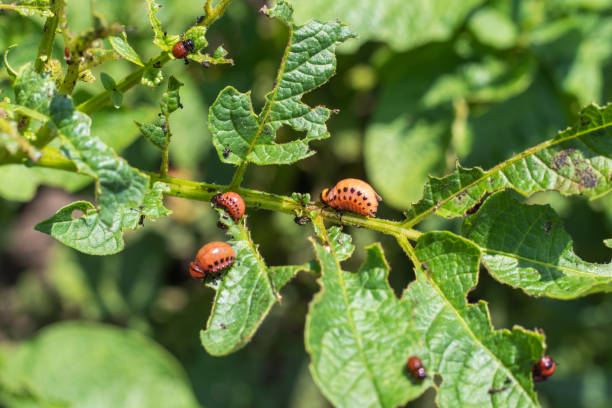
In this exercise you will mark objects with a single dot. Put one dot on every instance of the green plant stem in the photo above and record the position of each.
(45, 48)
(213, 13)
(97, 102)
(273, 202)
(193, 190)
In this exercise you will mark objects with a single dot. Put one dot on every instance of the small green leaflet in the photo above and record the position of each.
(308, 63)
(577, 161)
(461, 341)
(124, 49)
(158, 131)
(90, 235)
(525, 246)
(111, 86)
(245, 294)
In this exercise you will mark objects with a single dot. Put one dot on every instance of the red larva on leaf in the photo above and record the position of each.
(212, 258)
(415, 366)
(544, 369)
(352, 195)
(182, 48)
(231, 202)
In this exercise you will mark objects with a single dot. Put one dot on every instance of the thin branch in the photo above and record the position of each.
(45, 49)
(193, 190)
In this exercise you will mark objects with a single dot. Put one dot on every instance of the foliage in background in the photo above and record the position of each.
(486, 83)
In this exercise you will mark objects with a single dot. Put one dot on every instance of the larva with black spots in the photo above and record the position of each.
(352, 195)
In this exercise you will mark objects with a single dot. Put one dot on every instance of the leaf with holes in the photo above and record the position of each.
(90, 235)
(246, 293)
(308, 63)
(359, 335)
(158, 131)
(472, 358)
(525, 246)
(160, 38)
(577, 161)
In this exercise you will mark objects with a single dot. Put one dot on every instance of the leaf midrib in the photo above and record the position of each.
(350, 318)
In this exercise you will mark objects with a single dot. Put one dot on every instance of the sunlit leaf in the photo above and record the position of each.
(359, 335)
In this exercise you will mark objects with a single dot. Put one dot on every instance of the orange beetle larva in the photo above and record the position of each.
(232, 202)
(352, 195)
(212, 258)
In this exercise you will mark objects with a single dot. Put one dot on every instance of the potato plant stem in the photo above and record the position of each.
(45, 48)
(194, 190)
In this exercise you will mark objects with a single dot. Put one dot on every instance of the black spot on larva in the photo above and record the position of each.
(587, 178)
(359, 193)
(216, 262)
(369, 204)
(365, 197)
(345, 189)
(210, 266)
(352, 189)
(355, 200)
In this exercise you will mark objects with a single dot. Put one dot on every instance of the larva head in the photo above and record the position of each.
(325, 195)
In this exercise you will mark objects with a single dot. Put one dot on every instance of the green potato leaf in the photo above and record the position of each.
(463, 348)
(90, 364)
(358, 334)
(245, 293)
(525, 246)
(308, 63)
(577, 161)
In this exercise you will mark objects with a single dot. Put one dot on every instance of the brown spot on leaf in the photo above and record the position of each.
(561, 159)
(588, 179)
(547, 226)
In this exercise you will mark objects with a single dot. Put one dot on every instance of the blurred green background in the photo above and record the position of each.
(426, 83)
